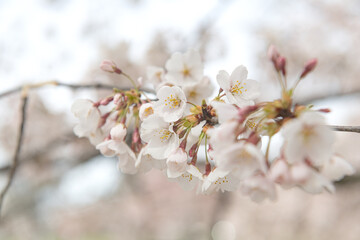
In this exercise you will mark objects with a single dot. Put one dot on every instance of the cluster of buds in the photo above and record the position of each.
(214, 145)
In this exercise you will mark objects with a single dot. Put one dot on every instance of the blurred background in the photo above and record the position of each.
(63, 189)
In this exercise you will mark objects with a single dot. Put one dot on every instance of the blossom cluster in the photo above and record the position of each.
(214, 144)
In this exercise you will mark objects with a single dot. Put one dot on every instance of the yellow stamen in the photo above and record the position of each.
(172, 102)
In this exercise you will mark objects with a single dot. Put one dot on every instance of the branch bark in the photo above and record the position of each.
(355, 129)
(15, 160)
(72, 86)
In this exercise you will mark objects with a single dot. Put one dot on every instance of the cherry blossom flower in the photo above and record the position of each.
(89, 117)
(184, 69)
(176, 163)
(225, 112)
(191, 178)
(258, 187)
(126, 161)
(280, 173)
(223, 135)
(307, 137)
(199, 91)
(116, 144)
(146, 110)
(160, 137)
(219, 180)
(155, 75)
(336, 168)
(238, 89)
(310, 180)
(242, 159)
(145, 162)
(171, 104)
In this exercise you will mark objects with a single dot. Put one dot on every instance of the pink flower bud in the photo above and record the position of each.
(110, 66)
(106, 101)
(324, 110)
(309, 66)
(273, 54)
(281, 65)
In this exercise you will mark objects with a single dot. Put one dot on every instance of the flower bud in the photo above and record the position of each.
(281, 65)
(309, 66)
(110, 66)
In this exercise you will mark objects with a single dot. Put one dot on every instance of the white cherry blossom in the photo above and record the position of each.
(160, 137)
(219, 180)
(336, 168)
(184, 69)
(199, 91)
(222, 136)
(156, 75)
(146, 110)
(176, 163)
(126, 161)
(145, 162)
(241, 159)
(307, 137)
(258, 187)
(89, 117)
(280, 173)
(310, 180)
(116, 144)
(171, 104)
(191, 178)
(225, 112)
(238, 89)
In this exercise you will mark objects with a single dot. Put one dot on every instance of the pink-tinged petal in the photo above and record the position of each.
(118, 132)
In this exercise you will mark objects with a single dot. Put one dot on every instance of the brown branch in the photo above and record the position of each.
(355, 129)
(72, 86)
(15, 160)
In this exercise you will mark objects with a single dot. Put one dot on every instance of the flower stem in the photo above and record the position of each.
(267, 153)
(131, 80)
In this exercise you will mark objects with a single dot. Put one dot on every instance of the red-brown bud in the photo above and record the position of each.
(309, 66)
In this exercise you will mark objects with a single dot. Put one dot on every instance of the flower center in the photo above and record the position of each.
(251, 124)
(238, 88)
(221, 181)
(186, 71)
(172, 102)
(148, 111)
(307, 132)
(164, 135)
(187, 177)
(192, 94)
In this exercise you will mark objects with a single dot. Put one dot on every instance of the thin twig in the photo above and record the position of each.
(15, 161)
(72, 86)
(355, 129)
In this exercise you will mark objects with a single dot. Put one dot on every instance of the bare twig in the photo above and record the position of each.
(15, 160)
(72, 86)
(355, 129)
